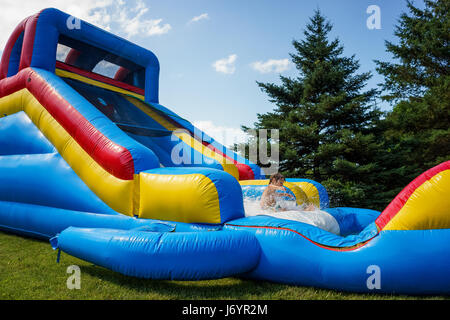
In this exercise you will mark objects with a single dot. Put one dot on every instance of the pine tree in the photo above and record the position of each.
(327, 123)
(418, 128)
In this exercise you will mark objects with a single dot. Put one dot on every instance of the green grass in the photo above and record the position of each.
(28, 270)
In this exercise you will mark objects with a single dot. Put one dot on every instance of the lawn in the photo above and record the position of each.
(28, 270)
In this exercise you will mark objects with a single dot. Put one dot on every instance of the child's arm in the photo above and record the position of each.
(284, 194)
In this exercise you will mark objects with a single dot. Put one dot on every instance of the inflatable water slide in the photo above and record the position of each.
(90, 161)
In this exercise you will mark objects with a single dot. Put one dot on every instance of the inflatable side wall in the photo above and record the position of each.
(404, 249)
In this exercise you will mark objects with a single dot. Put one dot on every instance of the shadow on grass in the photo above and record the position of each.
(107, 284)
(228, 288)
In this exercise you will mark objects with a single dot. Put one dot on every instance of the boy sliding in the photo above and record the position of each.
(270, 197)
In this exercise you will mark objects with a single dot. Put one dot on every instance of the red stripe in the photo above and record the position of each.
(121, 73)
(245, 172)
(12, 84)
(99, 77)
(6, 56)
(351, 248)
(399, 201)
(72, 56)
(114, 158)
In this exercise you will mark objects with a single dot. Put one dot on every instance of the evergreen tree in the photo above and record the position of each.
(418, 128)
(328, 126)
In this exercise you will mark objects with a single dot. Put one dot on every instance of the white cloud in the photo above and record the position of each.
(106, 68)
(62, 52)
(203, 16)
(131, 21)
(125, 18)
(13, 12)
(226, 65)
(154, 28)
(271, 65)
(224, 135)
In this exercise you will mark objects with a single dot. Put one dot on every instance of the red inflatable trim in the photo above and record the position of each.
(351, 248)
(98, 77)
(72, 56)
(114, 158)
(21, 27)
(245, 172)
(399, 201)
(28, 41)
(121, 74)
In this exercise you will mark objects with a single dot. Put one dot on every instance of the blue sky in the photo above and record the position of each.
(253, 31)
(238, 32)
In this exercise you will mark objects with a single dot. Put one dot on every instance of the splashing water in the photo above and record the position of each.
(292, 211)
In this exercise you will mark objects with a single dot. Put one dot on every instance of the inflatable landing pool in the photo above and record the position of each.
(97, 166)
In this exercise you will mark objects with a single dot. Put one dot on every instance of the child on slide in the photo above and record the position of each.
(271, 200)
(270, 197)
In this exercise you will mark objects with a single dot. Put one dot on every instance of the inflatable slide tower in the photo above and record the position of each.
(90, 160)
